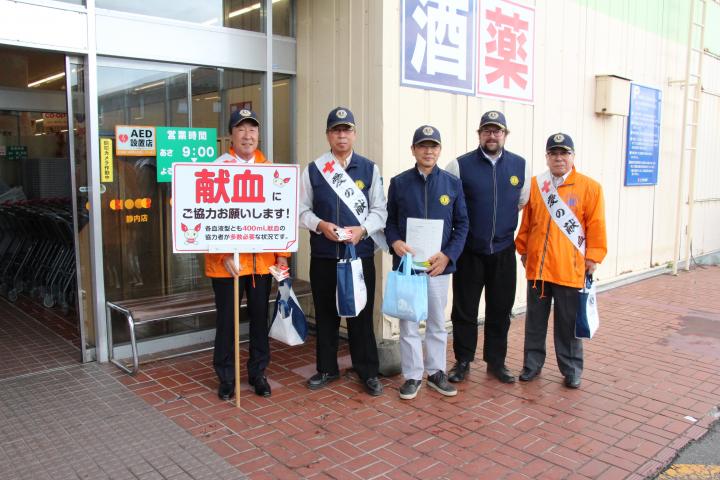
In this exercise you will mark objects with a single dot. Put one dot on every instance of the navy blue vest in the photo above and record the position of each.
(492, 194)
(411, 195)
(328, 206)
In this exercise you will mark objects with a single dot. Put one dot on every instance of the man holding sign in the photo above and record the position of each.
(427, 195)
(561, 238)
(342, 202)
(254, 278)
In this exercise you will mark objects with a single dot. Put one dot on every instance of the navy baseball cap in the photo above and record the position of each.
(560, 140)
(340, 116)
(493, 117)
(241, 115)
(426, 133)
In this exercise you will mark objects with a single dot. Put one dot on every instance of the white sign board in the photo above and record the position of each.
(134, 141)
(229, 207)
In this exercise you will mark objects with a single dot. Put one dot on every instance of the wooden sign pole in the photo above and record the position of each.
(236, 310)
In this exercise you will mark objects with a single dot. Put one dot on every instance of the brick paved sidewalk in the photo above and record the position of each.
(651, 385)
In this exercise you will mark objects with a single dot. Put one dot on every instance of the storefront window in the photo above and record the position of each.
(283, 141)
(206, 12)
(283, 18)
(136, 208)
(218, 92)
(240, 14)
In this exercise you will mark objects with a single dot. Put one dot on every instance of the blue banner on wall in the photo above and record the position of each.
(438, 45)
(643, 136)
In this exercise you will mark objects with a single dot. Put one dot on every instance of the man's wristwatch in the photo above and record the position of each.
(364, 235)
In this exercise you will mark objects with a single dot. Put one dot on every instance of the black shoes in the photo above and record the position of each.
(458, 373)
(226, 391)
(262, 387)
(319, 380)
(501, 373)
(409, 389)
(438, 381)
(572, 381)
(373, 386)
(527, 375)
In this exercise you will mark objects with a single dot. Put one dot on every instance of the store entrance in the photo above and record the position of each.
(45, 321)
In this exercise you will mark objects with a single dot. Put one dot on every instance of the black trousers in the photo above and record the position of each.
(497, 274)
(257, 308)
(568, 349)
(363, 349)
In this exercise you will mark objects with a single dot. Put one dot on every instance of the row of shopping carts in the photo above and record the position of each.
(37, 252)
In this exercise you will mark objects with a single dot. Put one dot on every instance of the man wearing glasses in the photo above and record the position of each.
(495, 186)
(342, 202)
(561, 240)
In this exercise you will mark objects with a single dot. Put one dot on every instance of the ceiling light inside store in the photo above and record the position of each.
(245, 10)
(46, 79)
(150, 85)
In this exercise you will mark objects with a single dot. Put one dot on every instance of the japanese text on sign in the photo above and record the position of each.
(17, 152)
(178, 144)
(506, 33)
(483, 48)
(106, 160)
(643, 136)
(244, 207)
(134, 141)
(437, 44)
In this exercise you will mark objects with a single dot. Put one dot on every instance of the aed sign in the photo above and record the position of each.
(134, 141)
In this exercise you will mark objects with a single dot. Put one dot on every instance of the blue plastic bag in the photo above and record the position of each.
(289, 323)
(587, 319)
(406, 293)
(351, 293)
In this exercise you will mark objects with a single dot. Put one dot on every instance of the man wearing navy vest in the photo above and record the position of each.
(341, 194)
(495, 186)
(427, 192)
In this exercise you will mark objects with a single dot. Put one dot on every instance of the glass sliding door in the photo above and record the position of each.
(136, 208)
(75, 75)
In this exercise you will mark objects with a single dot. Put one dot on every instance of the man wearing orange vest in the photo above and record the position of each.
(561, 239)
(255, 279)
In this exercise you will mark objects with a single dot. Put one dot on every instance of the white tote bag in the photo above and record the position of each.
(289, 325)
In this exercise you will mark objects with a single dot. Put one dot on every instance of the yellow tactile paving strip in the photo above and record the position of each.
(691, 472)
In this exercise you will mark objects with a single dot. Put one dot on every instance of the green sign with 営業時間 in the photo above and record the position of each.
(183, 144)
